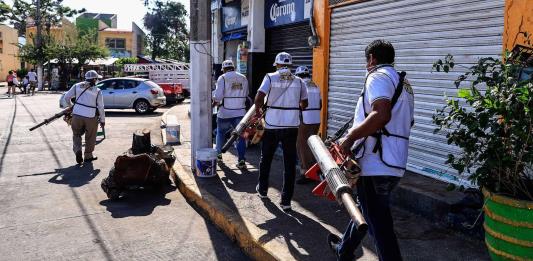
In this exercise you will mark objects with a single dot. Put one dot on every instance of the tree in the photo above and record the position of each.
(168, 32)
(18, 14)
(45, 13)
(75, 52)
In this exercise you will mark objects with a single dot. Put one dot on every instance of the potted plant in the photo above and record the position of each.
(491, 121)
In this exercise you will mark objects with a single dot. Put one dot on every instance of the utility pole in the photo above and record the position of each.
(200, 71)
(38, 44)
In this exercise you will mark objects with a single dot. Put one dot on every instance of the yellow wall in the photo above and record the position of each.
(518, 18)
(9, 57)
(321, 19)
(65, 33)
(128, 35)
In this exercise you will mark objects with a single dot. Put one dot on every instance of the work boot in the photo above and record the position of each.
(79, 157)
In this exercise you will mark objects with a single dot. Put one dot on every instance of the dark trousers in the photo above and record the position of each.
(373, 193)
(271, 139)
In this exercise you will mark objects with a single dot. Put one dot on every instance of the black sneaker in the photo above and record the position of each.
(79, 157)
(241, 164)
(285, 207)
(333, 242)
(259, 193)
(93, 158)
(302, 180)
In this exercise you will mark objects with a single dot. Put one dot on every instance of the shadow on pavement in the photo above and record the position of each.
(304, 236)
(137, 202)
(75, 176)
(292, 227)
(234, 180)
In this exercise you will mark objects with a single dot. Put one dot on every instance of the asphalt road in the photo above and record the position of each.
(52, 209)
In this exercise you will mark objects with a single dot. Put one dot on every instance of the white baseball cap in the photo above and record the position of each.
(283, 58)
(227, 64)
(302, 70)
(92, 74)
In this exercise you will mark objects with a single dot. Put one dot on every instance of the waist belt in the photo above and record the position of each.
(284, 108)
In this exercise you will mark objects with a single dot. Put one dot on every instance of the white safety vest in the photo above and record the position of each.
(283, 101)
(392, 142)
(235, 93)
(86, 100)
(311, 114)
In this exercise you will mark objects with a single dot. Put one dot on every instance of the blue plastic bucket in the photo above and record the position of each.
(206, 163)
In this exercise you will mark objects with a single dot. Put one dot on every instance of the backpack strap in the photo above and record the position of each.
(398, 90)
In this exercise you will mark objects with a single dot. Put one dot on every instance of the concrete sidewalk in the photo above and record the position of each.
(265, 232)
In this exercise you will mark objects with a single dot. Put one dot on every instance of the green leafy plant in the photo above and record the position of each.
(491, 121)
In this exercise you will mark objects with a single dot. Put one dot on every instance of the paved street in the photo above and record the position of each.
(55, 210)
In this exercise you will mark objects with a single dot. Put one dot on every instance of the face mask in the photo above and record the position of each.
(284, 71)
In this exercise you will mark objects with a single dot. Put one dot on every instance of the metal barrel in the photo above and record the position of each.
(353, 211)
(38, 125)
(337, 182)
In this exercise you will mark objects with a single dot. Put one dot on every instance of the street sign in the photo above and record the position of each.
(282, 12)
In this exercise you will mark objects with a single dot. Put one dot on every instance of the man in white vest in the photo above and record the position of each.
(286, 96)
(230, 95)
(379, 140)
(309, 124)
(87, 112)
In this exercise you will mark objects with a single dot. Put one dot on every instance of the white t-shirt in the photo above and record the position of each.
(32, 76)
(378, 86)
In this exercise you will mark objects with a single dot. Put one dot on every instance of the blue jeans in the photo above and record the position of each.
(223, 126)
(373, 193)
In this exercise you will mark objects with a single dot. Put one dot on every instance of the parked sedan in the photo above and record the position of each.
(130, 93)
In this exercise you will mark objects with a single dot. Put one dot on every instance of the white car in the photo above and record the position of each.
(129, 93)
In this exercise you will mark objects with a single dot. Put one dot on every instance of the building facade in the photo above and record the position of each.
(63, 33)
(422, 31)
(251, 33)
(8, 51)
(119, 42)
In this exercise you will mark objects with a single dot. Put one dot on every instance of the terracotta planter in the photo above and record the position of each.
(508, 227)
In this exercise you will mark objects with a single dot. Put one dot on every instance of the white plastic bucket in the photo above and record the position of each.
(172, 130)
(206, 162)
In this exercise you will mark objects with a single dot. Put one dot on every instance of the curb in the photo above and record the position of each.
(246, 234)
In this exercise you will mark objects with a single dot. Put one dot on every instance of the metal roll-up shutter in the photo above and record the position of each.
(421, 31)
(292, 39)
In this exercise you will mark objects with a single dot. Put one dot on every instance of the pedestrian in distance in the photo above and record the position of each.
(286, 96)
(25, 83)
(379, 141)
(87, 112)
(309, 124)
(16, 83)
(230, 95)
(32, 77)
(10, 84)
